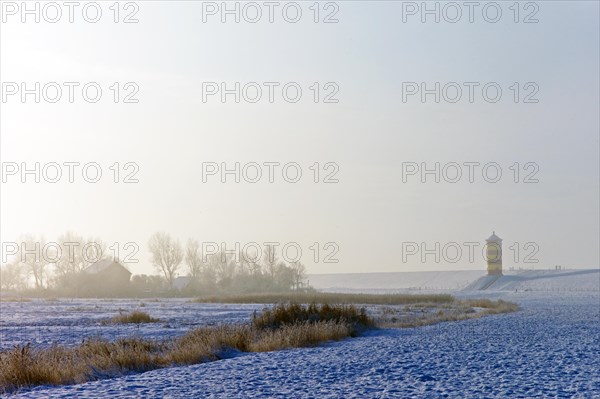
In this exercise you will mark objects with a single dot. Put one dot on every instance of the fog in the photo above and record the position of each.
(389, 155)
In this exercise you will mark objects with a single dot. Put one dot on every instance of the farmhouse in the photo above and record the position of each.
(107, 277)
(182, 282)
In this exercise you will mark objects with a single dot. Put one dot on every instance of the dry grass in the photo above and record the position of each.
(205, 344)
(287, 326)
(328, 298)
(419, 315)
(135, 317)
(293, 314)
(14, 299)
(94, 359)
(300, 335)
(492, 307)
(283, 326)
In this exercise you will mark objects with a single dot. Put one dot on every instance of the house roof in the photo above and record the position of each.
(102, 265)
(494, 237)
(181, 282)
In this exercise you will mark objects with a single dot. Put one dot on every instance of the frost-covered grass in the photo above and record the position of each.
(285, 326)
(135, 317)
(57, 365)
(291, 314)
(424, 314)
(278, 327)
(14, 299)
(547, 350)
(492, 307)
(328, 298)
(69, 321)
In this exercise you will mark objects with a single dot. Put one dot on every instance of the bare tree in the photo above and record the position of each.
(209, 272)
(223, 265)
(77, 253)
(270, 261)
(70, 260)
(284, 277)
(193, 259)
(249, 263)
(299, 274)
(33, 255)
(255, 268)
(167, 255)
(12, 277)
(93, 250)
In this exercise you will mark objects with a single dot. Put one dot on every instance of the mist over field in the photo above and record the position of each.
(434, 132)
(294, 199)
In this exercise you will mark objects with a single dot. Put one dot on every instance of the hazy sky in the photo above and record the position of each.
(369, 134)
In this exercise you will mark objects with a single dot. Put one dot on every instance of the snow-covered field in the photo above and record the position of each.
(520, 280)
(69, 321)
(550, 349)
(409, 281)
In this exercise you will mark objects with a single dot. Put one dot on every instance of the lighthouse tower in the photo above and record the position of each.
(494, 255)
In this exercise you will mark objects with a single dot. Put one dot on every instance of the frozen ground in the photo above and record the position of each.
(519, 280)
(69, 321)
(410, 281)
(550, 349)
(546, 280)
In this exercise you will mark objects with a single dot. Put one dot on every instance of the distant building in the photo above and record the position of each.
(182, 282)
(106, 277)
(494, 254)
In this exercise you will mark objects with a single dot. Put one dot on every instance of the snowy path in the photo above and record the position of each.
(551, 349)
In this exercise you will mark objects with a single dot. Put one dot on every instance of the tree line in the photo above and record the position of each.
(35, 267)
(224, 271)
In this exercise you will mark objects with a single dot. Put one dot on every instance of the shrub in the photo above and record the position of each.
(290, 314)
(135, 317)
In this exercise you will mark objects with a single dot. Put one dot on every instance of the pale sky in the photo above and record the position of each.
(369, 133)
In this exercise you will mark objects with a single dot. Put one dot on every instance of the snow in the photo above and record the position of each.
(521, 280)
(549, 280)
(440, 280)
(69, 321)
(548, 350)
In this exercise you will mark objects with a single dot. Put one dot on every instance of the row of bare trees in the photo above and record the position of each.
(39, 264)
(224, 270)
(48, 264)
